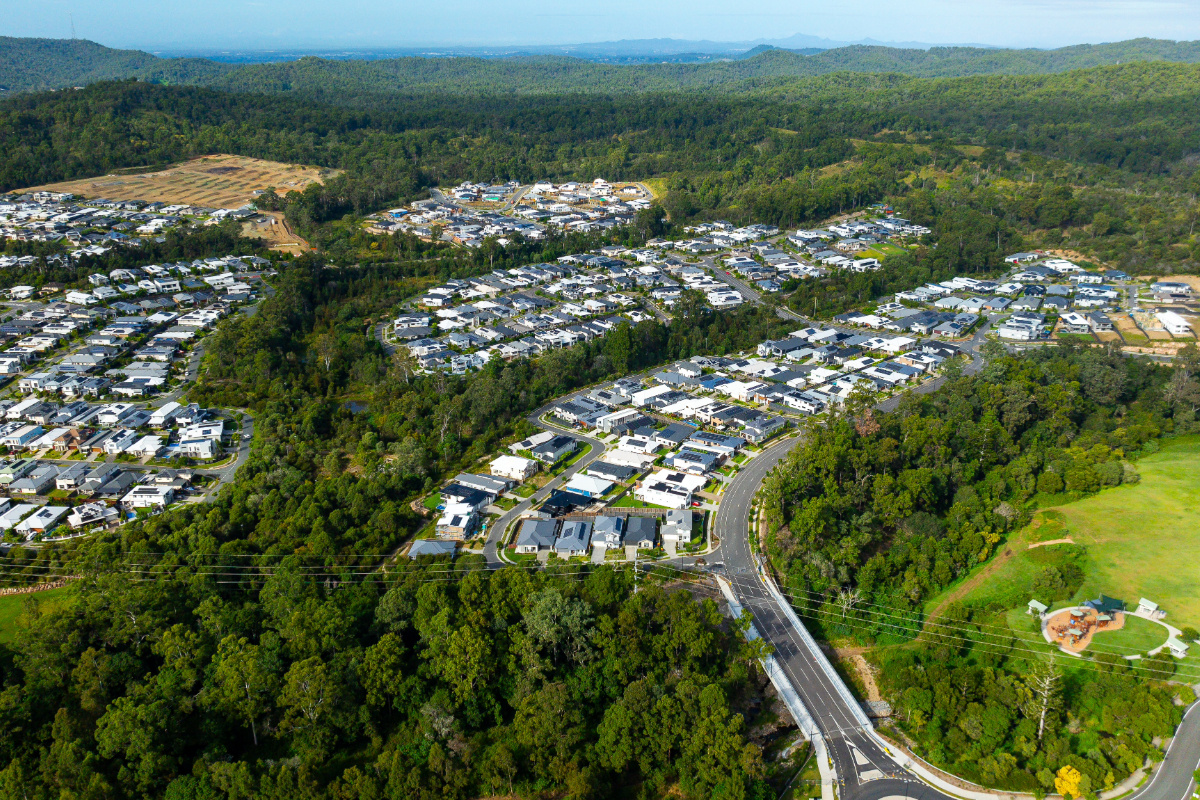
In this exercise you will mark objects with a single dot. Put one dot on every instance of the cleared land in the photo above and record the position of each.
(1132, 541)
(218, 181)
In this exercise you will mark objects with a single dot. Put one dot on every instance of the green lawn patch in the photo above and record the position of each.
(433, 501)
(12, 606)
(629, 501)
(1137, 635)
(565, 465)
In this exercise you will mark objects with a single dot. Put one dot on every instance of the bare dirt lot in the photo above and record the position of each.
(217, 181)
(279, 235)
(1190, 280)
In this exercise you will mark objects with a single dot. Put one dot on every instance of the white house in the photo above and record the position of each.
(92, 514)
(513, 467)
(1175, 324)
(149, 496)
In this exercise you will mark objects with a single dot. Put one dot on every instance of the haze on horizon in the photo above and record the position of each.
(269, 24)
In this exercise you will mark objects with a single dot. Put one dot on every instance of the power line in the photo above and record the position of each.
(987, 646)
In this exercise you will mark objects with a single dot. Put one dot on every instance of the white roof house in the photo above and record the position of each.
(1175, 324)
(513, 467)
(149, 496)
(44, 519)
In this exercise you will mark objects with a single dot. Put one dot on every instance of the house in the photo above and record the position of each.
(39, 481)
(457, 494)
(661, 493)
(23, 436)
(673, 435)
(513, 468)
(200, 449)
(1177, 647)
(677, 526)
(1074, 322)
(71, 476)
(608, 531)
(536, 535)
(92, 514)
(163, 416)
(1036, 609)
(457, 522)
(492, 487)
(1174, 324)
(692, 460)
(15, 514)
(147, 446)
(149, 497)
(432, 547)
(44, 520)
(573, 539)
(552, 450)
(640, 533)
(120, 441)
(16, 470)
(588, 486)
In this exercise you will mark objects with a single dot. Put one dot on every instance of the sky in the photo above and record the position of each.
(281, 24)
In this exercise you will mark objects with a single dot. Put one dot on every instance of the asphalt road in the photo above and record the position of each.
(864, 771)
(859, 762)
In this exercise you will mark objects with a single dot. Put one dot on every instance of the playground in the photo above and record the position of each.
(1072, 629)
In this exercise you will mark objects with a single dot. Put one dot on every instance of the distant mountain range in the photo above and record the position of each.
(39, 64)
(631, 51)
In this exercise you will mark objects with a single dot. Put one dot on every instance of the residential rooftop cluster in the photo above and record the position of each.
(93, 227)
(74, 351)
(569, 206)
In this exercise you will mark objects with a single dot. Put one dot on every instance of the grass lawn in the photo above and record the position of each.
(11, 606)
(563, 466)
(1144, 540)
(1137, 635)
(524, 491)
(882, 251)
(1132, 541)
(433, 501)
(629, 501)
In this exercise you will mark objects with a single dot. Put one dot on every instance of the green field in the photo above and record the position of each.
(883, 250)
(1132, 541)
(12, 605)
(1137, 635)
(1144, 540)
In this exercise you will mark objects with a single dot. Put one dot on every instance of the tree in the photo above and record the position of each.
(1042, 693)
(404, 363)
(1068, 782)
(649, 221)
(1183, 390)
(847, 599)
(241, 686)
(309, 697)
(327, 349)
